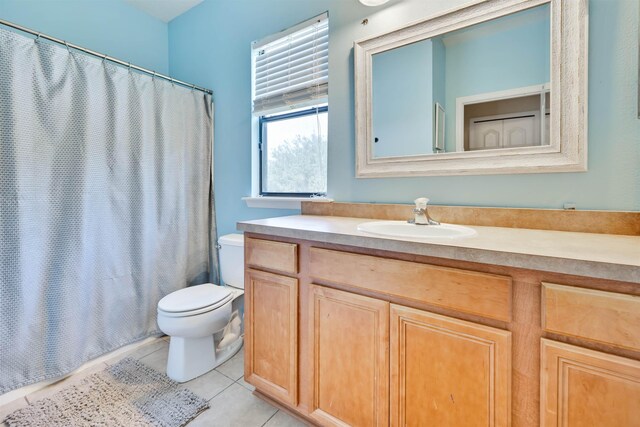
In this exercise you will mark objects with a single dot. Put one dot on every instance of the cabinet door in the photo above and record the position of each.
(485, 135)
(271, 334)
(520, 132)
(586, 388)
(350, 336)
(447, 372)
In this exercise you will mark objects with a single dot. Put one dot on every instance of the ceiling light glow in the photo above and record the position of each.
(373, 2)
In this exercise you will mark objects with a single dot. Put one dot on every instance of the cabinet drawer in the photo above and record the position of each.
(272, 255)
(606, 317)
(486, 295)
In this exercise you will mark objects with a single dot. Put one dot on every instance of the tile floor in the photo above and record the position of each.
(231, 401)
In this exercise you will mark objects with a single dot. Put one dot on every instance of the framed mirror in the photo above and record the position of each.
(493, 88)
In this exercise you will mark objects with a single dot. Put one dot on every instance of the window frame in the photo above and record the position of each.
(262, 120)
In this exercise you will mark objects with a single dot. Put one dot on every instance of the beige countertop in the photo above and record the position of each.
(601, 256)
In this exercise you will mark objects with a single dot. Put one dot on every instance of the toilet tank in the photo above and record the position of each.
(232, 259)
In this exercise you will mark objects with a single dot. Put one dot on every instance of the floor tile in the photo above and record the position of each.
(234, 367)
(209, 384)
(282, 419)
(245, 384)
(236, 406)
(158, 359)
(10, 407)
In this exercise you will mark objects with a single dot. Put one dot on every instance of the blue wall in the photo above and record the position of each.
(439, 71)
(403, 100)
(112, 27)
(210, 46)
(508, 53)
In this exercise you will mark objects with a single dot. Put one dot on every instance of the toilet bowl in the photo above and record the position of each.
(192, 316)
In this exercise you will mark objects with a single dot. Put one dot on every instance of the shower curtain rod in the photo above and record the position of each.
(102, 56)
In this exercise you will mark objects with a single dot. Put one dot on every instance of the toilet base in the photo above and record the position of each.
(191, 357)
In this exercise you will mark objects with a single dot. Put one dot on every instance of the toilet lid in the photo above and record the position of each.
(193, 298)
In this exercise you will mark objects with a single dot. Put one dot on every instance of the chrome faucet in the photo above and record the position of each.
(420, 213)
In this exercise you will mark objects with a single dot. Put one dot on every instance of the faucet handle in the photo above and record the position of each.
(421, 214)
(421, 202)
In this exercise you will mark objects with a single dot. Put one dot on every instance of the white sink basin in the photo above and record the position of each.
(404, 229)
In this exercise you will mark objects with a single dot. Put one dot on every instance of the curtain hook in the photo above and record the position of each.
(153, 77)
(129, 67)
(67, 45)
(193, 87)
(38, 38)
(104, 58)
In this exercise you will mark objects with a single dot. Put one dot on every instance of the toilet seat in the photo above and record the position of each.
(194, 300)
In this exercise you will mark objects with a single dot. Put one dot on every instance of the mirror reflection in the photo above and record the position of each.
(483, 87)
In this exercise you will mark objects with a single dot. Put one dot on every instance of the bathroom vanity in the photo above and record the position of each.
(511, 327)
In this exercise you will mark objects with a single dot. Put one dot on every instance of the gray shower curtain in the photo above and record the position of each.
(106, 205)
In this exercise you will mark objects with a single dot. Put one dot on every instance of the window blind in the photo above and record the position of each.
(291, 69)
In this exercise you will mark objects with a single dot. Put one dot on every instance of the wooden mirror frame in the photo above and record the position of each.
(567, 151)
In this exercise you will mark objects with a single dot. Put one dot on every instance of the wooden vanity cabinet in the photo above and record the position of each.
(271, 318)
(448, 372)
(445, 372)
(579, 386)
(606, 317)
(350, 339)
(349, 336)
(271, 334)
(585, 388)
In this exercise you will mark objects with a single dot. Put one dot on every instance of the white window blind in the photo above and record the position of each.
(291, 69)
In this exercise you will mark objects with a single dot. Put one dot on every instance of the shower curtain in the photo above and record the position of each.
(106, 205)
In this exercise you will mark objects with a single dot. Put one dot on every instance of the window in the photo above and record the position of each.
(293, 153)
(290, 89)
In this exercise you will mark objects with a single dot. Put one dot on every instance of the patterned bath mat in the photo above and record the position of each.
(128, 393)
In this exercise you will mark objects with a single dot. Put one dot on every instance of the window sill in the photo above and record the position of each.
(274, 202)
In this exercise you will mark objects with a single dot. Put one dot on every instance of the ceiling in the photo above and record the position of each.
(164, 10)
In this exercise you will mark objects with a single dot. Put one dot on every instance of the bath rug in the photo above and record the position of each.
(128, 393)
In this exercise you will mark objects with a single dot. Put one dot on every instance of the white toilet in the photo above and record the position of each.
(192, 316)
